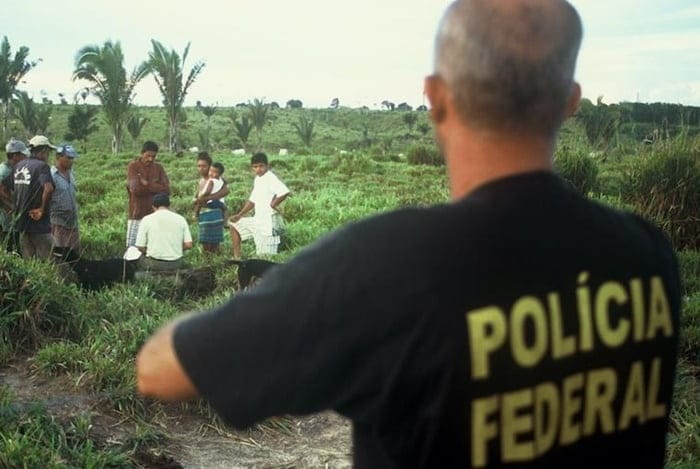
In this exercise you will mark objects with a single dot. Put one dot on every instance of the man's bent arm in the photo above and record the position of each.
(247, 207)
(278, 200)
(159, 373)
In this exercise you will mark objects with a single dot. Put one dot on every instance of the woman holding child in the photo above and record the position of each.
(209, 203)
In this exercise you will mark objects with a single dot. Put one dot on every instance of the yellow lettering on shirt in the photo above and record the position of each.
(527, 422)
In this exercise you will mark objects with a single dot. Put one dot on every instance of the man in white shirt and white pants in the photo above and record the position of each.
(268, 192)
(163, 237)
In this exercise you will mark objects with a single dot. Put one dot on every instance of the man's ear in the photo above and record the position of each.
(573, 101)
(436, 91)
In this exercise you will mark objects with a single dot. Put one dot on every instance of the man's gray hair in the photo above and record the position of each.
(509, 63)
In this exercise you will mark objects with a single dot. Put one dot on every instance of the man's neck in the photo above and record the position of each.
(475, 157)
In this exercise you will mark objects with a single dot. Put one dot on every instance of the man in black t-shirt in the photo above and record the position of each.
(31, 186)
(545, 334)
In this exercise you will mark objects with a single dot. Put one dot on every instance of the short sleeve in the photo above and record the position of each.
(142, 234)
(278, 187)
(187, 235)
(45, 175)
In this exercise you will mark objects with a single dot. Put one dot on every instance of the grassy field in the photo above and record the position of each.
(84, 343)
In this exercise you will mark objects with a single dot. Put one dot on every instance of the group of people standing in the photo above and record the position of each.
(164, 235)
(40, 208)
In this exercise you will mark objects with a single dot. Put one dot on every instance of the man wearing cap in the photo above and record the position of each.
(16, 151)
(32, 187)
(144, 179)
(64, 202)
(163, 237)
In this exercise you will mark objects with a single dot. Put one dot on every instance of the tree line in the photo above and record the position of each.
(102, 66)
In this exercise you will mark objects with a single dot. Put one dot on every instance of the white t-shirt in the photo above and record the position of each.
(163, 233)
(265, 188)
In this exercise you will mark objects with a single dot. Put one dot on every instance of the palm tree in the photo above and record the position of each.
(305, 129)
(104, 68)
(135, 125)
(167, 68)
(258, 116)
(33, 117)
(242, 129)
(24, 109)
(12, 69)
(204, 135)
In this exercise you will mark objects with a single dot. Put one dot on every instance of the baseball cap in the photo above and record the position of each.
(40, 141)
(66, 149)
(16, 146)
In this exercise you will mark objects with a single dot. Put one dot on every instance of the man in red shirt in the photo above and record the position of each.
(144, 179)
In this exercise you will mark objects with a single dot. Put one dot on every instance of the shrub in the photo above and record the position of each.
(31, 437)
(683, 445)
(689, 346)
(578, 168)
(664, 187)
(689, 266)
(35, 304)
(422, 154)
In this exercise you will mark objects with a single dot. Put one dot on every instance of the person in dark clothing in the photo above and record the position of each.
(31, 187)
(16, 151)
(546, 333)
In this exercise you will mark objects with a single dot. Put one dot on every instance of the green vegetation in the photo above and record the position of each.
(359, 162)
(34, 117)
(104, 68)
(167, 68)
(12, 70)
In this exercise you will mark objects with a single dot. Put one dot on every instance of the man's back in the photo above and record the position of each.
(30, 175)
(521, 322)
(163, 233)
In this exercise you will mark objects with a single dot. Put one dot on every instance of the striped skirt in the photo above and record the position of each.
(211, 226)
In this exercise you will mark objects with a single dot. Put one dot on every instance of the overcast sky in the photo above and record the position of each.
(360, 51)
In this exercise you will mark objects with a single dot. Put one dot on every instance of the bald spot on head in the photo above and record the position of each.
(509, 63)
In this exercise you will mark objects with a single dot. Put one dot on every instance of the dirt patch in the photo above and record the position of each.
(190, 438)
(320, 440)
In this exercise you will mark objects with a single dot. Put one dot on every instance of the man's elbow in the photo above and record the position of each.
(187, 245)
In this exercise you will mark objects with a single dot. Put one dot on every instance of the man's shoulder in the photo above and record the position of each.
(269, 176)
(133, 163)
(169, 214)
(32, 164)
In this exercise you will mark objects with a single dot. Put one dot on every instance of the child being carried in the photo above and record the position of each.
(212, 186)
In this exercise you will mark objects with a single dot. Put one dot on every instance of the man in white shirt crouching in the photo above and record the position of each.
(163, 237)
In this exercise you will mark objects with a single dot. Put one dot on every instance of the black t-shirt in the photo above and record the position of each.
(27, 186)
(521, 325)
